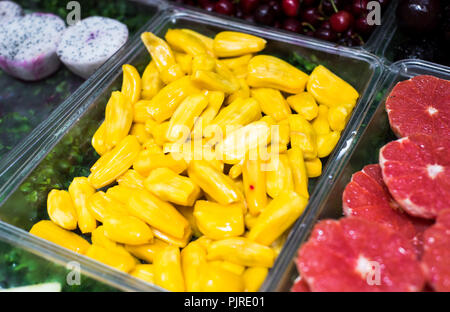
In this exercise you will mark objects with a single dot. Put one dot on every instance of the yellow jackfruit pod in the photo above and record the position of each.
(329, 89)
(118, 118)
(99, 140)
(194, 150)
(265, 71)
(203, 62)
(48, 230)
(338, 116)
(254, 277)
(243, 92)
(166, 101)
(327, 142)
(284, 132)
(320, 123)
(151, 146)
(80, 191)
(148, 160)
(182, 41)
(113, 258)
(157, 213)
(193, 261)
(61, 209)
(99, 238)
(250, 220)
(278, 216)
(213, 182)
(183, 119)
(151, 81)
(101, 206)
(207, 41)
(171, 240)
(131, 83)
(127, 230)
(303, 136)
(169, 186)
(158, 131)
(242, 251)
(215, 101)
(219, 221)
(279, 176)
(167, 267)
(140, 111)
(188, 213)
(217, 279)
(304, 104)
(232, 43)
(239, 113)
(238, 65)
(237, 144)
(213, 81)
(235, 171)
(132, 179)
(185, 62)
(298, 169)
(160, 51)
(115, 162)
(229, 266)
(313, 167)
(138, 130)
(146, 252)
(272, 103)
(278, 244)
(254, 178)
(145, 272)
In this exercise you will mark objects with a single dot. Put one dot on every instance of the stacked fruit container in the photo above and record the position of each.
(354, 184)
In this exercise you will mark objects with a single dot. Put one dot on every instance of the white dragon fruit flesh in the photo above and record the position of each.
(86, 45)
(9, 10)
(28, 45)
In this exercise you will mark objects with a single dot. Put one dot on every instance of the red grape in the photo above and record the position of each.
(224, 7)
(362, 26)
(311, 16)
(264, 14)
(290, 7)
(292, 24)
(341, 21)
(325, 34)
(248, 6)
(359, 7)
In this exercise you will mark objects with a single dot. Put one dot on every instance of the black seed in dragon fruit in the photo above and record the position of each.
(9, 10)
(86, 45)
(28, 45)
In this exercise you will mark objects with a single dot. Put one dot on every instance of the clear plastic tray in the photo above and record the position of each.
(53, 159)
(24, 105)
(374, 133)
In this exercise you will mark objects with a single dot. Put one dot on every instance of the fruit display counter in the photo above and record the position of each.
(235, 146)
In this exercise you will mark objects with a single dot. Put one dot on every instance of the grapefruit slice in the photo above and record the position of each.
(416, 170)
(355, 254)
(300, 285)
(367, 196)
(420, 105)
(436, 257)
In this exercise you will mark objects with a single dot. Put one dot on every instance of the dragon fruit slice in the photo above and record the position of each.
(9, 10)
(28, 45)
(86, 45)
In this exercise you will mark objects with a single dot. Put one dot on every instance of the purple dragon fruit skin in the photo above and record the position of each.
(9, 10)
(28, 46)
(85, 46)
